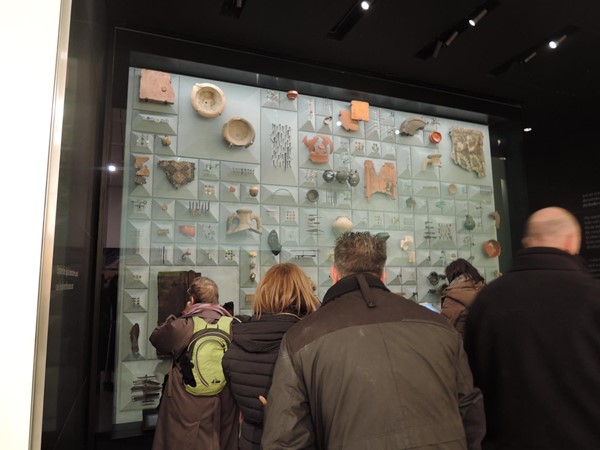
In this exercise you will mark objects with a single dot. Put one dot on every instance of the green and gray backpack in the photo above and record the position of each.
(201, 362)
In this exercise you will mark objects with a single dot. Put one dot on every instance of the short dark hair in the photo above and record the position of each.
(460, 267)
(357, 252)
(229, 307)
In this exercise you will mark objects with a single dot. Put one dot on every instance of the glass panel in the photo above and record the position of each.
(227, 179)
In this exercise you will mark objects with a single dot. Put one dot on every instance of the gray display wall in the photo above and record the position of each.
(192, 201)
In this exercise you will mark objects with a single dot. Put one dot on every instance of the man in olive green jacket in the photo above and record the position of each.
(371, 370)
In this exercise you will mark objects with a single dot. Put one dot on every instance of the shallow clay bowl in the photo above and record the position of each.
(491, 248)
(435, 137)
(208, 100)
(238, 132)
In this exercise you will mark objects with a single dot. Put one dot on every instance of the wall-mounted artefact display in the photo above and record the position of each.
(227, 180)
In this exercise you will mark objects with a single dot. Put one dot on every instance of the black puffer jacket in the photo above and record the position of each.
(248, 366)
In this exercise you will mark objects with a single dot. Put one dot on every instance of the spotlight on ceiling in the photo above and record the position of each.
(527, 129)
(473, 21)
(451, 38)
(556, 42)
(365, 5)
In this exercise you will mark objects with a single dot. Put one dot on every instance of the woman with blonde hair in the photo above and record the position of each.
(283, 297)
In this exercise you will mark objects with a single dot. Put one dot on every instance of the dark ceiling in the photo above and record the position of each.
(395, 40)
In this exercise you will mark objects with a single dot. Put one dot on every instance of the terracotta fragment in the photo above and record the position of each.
(359, 110)
(319, 147)
(188, 230)
(386, 182)
(348, 123)
(156, 87)
(142, 172)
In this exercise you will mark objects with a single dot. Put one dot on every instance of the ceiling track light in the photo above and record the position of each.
(556, 42)
(349, 20)
(530, 57)
(451, 38)
(475, 20)
(437, 48)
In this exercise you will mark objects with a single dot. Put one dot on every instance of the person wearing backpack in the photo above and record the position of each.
(284, 296)
(197, 411)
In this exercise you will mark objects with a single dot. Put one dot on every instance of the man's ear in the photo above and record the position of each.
(572, 243)
(383, 276)
(334, 274)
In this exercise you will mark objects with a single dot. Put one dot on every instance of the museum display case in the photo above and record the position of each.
(226, 179)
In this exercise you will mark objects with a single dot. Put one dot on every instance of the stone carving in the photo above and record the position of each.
(386, 182)
(273, 242)
(469, 223)
(142, 172)
(242, 219)
(156, 87)
(208, 100)
(319, 147)
(179, 173)
(467, 150)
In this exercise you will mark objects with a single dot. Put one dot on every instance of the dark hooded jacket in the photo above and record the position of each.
(248, 366)
(371, 370)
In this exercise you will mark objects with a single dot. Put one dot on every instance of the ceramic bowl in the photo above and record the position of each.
(238, 132)
(208, 100)
(312, 195)
(491, 248)
(435, 137)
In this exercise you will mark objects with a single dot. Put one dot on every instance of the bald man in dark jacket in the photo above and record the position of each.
(533, 340)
